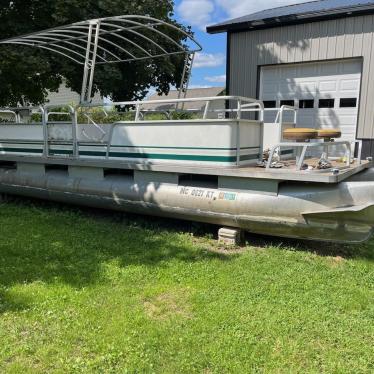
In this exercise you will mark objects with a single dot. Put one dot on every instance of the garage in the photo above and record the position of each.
(318, 55)
(326, 93)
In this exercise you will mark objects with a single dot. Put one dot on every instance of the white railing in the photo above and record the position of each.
(242, 104)
(280, 118)
(8, 112)
(72, 113)
(301, 149)
(235, 105)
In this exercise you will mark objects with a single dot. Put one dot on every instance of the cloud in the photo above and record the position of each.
(196, 12)
(216, 79)
(209, 60)
(235, 8)
(195, 86)
(200, 13)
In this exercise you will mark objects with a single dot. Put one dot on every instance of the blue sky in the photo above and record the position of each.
(210, 65)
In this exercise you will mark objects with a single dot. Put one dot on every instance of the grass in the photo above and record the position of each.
(88, 291)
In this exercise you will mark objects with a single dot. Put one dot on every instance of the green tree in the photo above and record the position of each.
(27, 73)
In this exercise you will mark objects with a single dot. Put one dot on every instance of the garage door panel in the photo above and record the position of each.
(287, 89)
(327, 69)
(309, 70)
(351, 67)
(308, 87)
(347, 120)
(270, 88)
(349, 85)
(327, 121)
(270, 76)
(307, 120)
(328, 86)
(288, 72)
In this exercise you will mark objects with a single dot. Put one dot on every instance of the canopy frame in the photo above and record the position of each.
(109, 40)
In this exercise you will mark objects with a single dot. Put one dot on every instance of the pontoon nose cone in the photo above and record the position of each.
(349, 224)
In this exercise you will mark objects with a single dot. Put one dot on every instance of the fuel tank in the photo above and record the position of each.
(341, 212)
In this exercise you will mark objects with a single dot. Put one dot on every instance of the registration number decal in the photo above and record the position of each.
(207, 194)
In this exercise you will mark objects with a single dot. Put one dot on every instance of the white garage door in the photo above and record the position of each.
(326, 93)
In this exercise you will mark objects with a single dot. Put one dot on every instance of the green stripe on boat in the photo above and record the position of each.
(20, 150)
(158, 147)
(154, 156)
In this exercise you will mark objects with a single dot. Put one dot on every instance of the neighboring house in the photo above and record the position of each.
(65, 96)
(318, 56)
(191, 93)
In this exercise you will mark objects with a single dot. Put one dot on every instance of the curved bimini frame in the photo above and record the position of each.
(112, 40)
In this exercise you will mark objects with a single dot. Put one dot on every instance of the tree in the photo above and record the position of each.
(28, 73)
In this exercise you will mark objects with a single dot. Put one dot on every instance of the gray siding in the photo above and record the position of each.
(325, 40)
(65, 96)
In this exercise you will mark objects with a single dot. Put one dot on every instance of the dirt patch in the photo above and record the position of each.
(337, 261)
(168, 305)
(215, 247)
(228, 250)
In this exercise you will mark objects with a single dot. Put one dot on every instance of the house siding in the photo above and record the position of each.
(65, 96)
(351, 37)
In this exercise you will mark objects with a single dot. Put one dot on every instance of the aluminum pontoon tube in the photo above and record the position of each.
(342, 212)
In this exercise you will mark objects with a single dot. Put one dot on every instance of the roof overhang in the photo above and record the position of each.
(292, 19)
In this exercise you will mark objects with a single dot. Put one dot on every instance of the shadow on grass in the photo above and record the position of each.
(323, 249)
(49, 242)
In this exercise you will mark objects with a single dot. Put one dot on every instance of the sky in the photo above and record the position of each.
(210, 64)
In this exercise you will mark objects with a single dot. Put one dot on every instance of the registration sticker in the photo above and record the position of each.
(229, 196)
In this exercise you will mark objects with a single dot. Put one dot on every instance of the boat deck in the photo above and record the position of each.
(287, 173)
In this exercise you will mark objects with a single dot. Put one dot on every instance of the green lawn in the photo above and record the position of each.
(87, 291)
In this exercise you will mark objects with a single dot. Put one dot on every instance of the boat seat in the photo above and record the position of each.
(300, 134)
(329, 134)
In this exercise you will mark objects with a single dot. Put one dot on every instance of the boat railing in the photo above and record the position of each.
(139, 108)
(281, 116)
(302, 148)
(78, 117)
(242, 105)
(66, 111)
(8, 112)
(284, 108)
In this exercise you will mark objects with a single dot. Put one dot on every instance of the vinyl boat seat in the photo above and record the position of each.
(328, 134)
(300, 134)
(303, 134)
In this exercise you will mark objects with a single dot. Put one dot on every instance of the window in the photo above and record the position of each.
(326, 103)
(287, 102)
(306, 104)
(195, 180)
(56, 168)
(348, 103)
(8, 165)
(118, 173)
(270, 104)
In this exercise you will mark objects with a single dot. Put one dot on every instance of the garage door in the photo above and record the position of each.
(326, 93)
